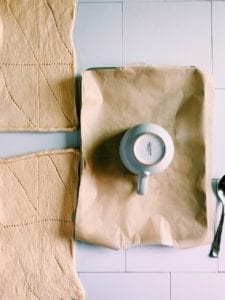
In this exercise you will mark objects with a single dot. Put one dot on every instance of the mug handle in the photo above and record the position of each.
(142, 182)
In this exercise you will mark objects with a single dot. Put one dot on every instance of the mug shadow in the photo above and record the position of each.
(105, 158)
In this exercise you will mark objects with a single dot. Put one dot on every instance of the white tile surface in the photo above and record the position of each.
(12, 144)
(218, 134)
(222, 252)
(218, 9)
(165, 259)
(155, 32)
(219, 159)
(120, 286)
(222, 246)
(92, 258)
(168, 33)
(98, 35)
(198, 286)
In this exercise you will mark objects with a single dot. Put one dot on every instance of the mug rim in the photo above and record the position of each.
(130, 136)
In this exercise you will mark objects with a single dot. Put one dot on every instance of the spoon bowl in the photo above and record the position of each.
(220, 190)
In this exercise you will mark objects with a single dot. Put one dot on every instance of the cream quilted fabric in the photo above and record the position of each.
(37, 203)
(37, 65)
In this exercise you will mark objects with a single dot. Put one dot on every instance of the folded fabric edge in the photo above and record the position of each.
(146, 66)
(38, 129)
(76, 152)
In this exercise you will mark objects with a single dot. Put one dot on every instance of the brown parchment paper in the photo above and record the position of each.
(37, 65)
(176, 210)
(38, 195)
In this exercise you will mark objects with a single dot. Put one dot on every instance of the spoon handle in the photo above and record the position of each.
(215, 248)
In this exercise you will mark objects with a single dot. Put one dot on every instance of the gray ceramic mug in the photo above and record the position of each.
(146, 149)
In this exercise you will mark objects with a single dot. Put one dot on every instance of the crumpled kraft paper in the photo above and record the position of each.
(37, 202)
(37, 65)
(176, 210)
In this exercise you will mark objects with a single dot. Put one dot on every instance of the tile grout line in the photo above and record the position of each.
(125, 257)
(139, 272)
(211, 15)
(122, 10)
(151, 272)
